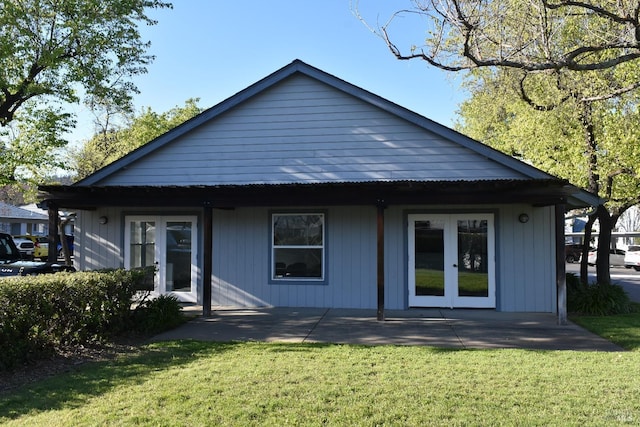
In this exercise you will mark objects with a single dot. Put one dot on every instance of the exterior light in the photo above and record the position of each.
(103, 220)
(523, 218)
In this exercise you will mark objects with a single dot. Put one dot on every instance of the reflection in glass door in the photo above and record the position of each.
(179, 253)
(473, 265)
(451, 260)
(142, 244)
(429, 258)
(168, 244)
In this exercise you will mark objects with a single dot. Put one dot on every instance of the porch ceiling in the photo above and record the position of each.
(534, 192)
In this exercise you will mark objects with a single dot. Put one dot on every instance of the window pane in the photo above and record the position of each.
(298, 263)
(178, 268)
(473, 278)
(429, 260)
(297, 230)
(142, 244)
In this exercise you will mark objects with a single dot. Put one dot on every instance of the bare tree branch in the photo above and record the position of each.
(472, 42)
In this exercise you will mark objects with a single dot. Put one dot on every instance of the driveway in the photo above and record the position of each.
(463, 329)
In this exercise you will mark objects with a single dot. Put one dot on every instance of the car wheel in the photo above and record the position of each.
(570, 259)
(636, 268)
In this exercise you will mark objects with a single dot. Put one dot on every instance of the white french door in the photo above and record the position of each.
(451, 260)
(168, 244)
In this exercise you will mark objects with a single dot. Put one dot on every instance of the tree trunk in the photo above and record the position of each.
(603, 273)
(586, 244)
(63, 242)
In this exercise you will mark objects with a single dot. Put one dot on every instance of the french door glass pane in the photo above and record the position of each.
(473, 278)
(142, 244)
(429, 267)
(178, 250)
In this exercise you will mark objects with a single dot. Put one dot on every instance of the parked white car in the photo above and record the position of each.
(632, 257)
(616, 257)
(25, 246)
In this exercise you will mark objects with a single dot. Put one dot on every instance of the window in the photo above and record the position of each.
(297, 246)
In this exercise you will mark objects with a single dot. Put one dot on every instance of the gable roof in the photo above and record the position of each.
(301, 68)
(8, 211)
(508, 168)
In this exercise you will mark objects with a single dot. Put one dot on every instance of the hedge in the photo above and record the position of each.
(42, 314)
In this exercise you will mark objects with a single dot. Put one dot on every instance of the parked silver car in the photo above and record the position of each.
(616, 257)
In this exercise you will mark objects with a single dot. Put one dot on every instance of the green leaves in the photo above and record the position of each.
(49, 50)
(583, 141)
(114, 142)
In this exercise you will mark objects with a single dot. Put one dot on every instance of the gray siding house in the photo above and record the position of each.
(303, 190)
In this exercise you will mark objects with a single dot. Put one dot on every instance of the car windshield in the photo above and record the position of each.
(8, 250)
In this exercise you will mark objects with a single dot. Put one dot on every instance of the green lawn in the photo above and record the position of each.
(200, 384)
(623, 329)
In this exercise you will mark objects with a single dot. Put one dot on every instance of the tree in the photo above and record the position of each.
(531, 35)
(54, 53)
(111, 142)
(559, 57)
(591, 143)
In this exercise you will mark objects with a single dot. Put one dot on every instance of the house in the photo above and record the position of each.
(303, 190)
(27, 219)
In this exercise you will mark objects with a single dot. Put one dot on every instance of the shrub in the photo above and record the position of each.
(42, 314)
(596, 299)
(158, 314)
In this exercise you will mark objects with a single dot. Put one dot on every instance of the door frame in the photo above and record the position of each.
(160, 255)
(450, 298)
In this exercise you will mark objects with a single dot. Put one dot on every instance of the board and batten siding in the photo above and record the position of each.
(526, 260)
(525, 272)
(241, 267)
(303, 131)
(98, 245)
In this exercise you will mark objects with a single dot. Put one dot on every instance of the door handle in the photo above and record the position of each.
(455, 265)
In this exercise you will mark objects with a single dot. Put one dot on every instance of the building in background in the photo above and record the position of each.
(28, 219)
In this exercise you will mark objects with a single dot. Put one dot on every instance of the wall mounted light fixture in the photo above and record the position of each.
(103, 220)
(523, 218)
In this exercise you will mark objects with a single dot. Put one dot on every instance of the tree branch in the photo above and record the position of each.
(611, 176)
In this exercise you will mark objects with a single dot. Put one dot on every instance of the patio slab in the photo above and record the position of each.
(462, 329)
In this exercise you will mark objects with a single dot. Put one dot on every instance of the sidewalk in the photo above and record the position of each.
(463, 329)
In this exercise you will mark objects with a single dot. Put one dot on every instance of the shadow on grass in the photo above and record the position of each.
(73, 389)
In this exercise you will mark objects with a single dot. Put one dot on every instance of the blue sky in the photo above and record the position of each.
(212, 49)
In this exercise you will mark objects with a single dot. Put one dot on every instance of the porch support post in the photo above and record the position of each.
(380, 259)
(207, 262)
(561, 278)
(52, 211)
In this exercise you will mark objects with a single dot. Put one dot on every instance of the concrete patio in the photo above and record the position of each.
(461, 329)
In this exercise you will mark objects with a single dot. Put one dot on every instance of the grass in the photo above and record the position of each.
(201, 383)
(623, 329)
